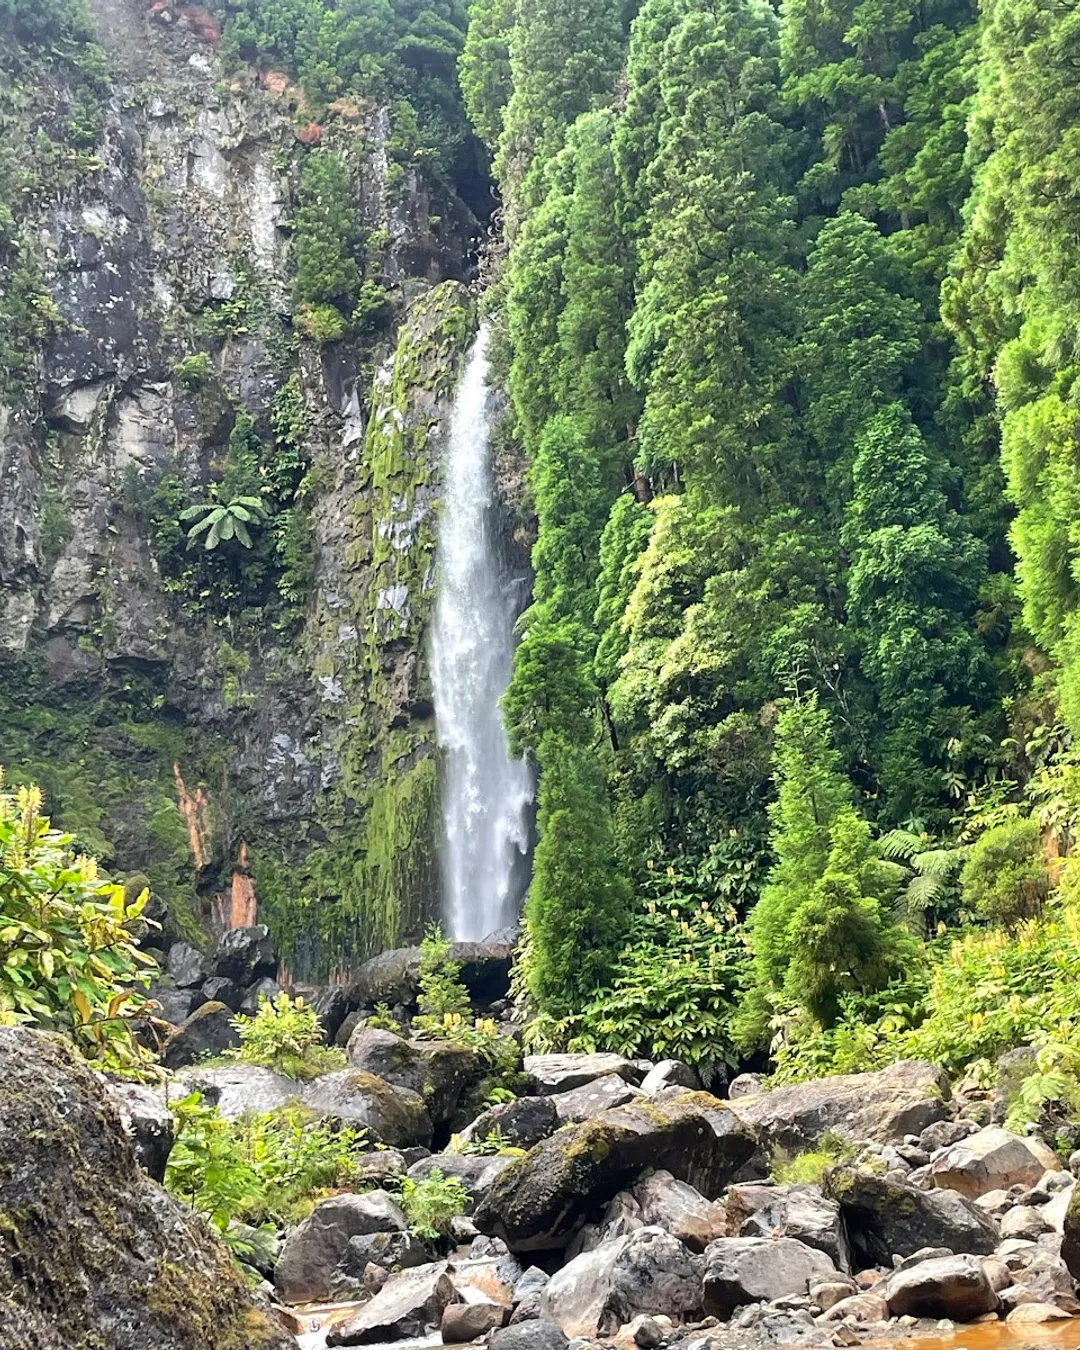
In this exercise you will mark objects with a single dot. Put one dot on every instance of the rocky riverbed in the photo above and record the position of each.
(614, 1203)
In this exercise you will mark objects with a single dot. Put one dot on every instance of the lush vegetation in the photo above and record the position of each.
(70, 961)
(285, 1035)
(787, 323)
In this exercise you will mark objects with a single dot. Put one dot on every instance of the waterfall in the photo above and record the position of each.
(486, 794)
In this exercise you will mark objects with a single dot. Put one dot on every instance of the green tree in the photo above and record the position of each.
(577, 907)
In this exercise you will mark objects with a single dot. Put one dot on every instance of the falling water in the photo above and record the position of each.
(486, 794)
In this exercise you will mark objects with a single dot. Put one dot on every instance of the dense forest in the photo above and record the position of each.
(789, 330)
(785, 304)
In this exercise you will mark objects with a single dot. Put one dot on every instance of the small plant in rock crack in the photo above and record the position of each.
(222, 521)
(431, 1204)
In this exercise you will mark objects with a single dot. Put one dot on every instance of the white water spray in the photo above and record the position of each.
(486, 794)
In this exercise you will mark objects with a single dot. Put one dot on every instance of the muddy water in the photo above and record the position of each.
(1002, 1336)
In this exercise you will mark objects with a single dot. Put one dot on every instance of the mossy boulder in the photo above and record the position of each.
(542, 1199)
(394, 1115)
(92, 1252)
(440, 1071)
(886, 1218)
(1070, 1242)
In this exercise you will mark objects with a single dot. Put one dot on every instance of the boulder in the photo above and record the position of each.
(187, 966)
(208, 1031)
(1023, 1221)
(475, 1172)
(175, 1005)
(746, 1085)
(886, 1218)
(1054, 1211)
(462, 1322)
(529, 1282)
(1070, 1241)
(670, 1073)
(521, 1123)
(149, 1123)
(332, 1006)
(582, 1103)
(238, 1088)
(541, 1200)
(748, 1270)
(950, 1286)
(680, 1210)
(858, 1308)
(219, 989)
(885, 1106)
(1037, 1312)
(92, 1251)
(394, 977)
(1043, 1279)
(264, 990)
(312, 1252)
(991, 1160)
(563, 1073)
(801, 1212)
(532, 1335)
(388, 1251)
(441, 1071)
(649, 1271)
(403, 1309)
(828, 1290)
(244, 955)
(394, 1115)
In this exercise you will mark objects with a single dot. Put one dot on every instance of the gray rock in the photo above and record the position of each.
(923, 1254)
(747, 1270)
(149, 1123)
(884, 1106)
(89, 1241)
(263, 990)
(394, 1115)
(404, 1308)
(799, 1212)
(462, 1322)
(529, 1282)
(649, 1271)
(305, 1272)
(244, 955)
(238, 1088)
(1043, 1279)
(886, 1217)
(1023, 1221)
(942, 1133)
(521, 1123)
(858, 1308)
(441, 1071)
(528, 1309)
(394, 977)
(746, 1085)
(220, 989)
(670, 1073)
(582, 1103)
(991, 1160)
(533, 1335)
(390, 1251)
(475, 1172)
(208, 1031)
(176, 1005)
(677, 1208)
(541, 1200)
(563, 1073)
(187, 966)
(950, 1286)
(332, 1006)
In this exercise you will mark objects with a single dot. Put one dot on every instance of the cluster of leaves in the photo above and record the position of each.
(260, 1169)
(285, 1035)
(445, 1012)
(70, 961)
(431, 1203)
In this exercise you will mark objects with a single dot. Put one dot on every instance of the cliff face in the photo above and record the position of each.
(193, 714)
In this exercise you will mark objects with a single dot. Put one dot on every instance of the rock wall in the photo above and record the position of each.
(209, 719)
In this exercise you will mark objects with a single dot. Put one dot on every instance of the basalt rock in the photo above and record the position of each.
(306, 1268)
(208, 1031)
(92, 1251)
(541, 1200)
(440, 1071)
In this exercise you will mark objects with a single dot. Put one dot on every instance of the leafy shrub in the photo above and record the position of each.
(259, 1169)
(431, 1203)
(70, 963)
(286, 1036)
(1005, 877)
(809, 1167)
(1050, 1096)
(193, 371)
(441, 992)
(320, 323)
(677, 980)
(219, 522)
